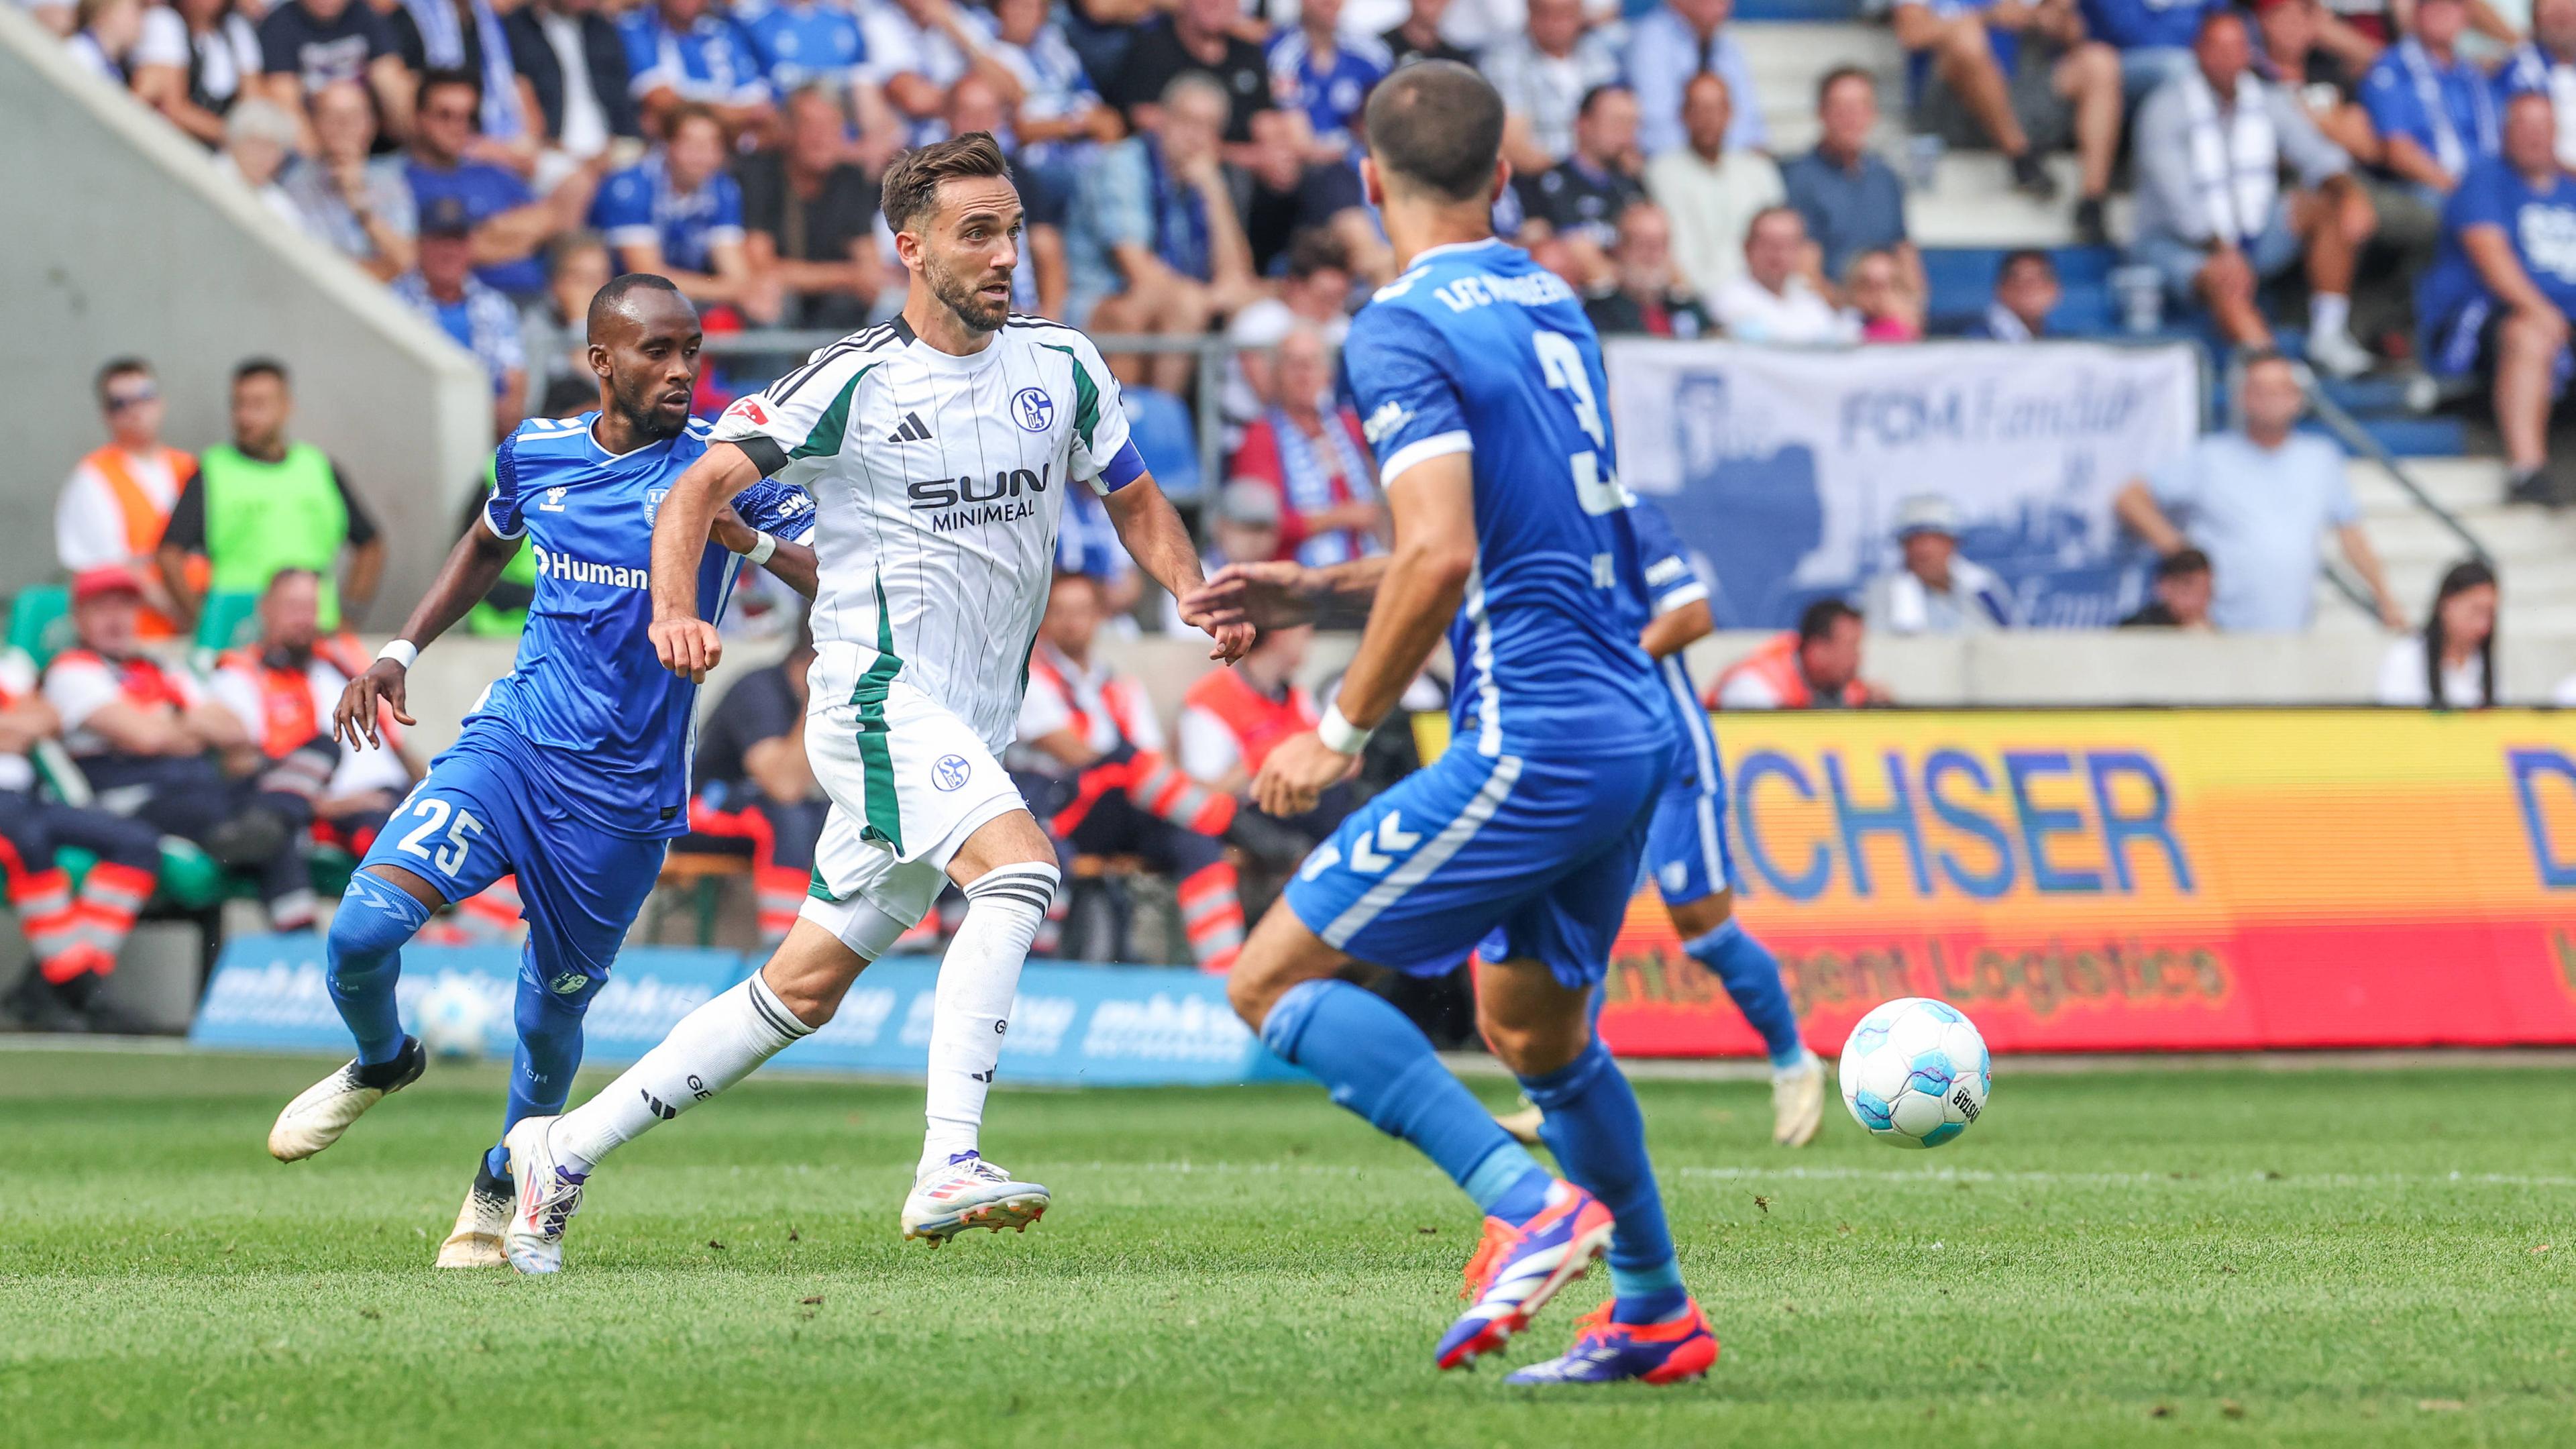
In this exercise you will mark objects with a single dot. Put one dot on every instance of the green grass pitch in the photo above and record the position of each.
(2326, 1257)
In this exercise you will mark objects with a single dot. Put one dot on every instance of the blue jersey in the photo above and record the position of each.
(1671, 583)
(1330, 91)
(2145, 24)
(587, 689)
(2539, 222)
(641, 204)
(800, 44)
(1477, 349)
(710, 62)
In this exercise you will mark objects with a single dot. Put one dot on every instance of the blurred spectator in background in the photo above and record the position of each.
(1090, 751)
(1775, 299)
(2547, 63)
(117, 501)
(467, 36)
(2026, 291)
(1647, 297)
(357, 202)
(1814, 666)
(1196, 37)
(1543, 73)
(1884, 297)
(555, 333)
(753, 783)
(809, 218)
(1936, 591)
(74, 938)
(511, 226)
(307, 44)
(2309, 51)
(2154, 38)
(1671, 43)
(686, 52)
(56, 16)
(1325, 75)
(1308, 446)
(1314, 293)
(104, 35)
(574, 63)
(1579, 199)
(2256, 501)
(1155, 247)
(2182, 594)
(1710, 194)
(2450, 664)
(258, 137)
(1418, 36)
(801, 43)
(283, 689)
(917, 50)
(195, 59)
(263, 502)
(2023, 78)
(1848, 195)
(2503, 284)
(1243, 527)
(1232, 718)
(2435, 112)
(677, 213)
(443, 289)
(1059, 120)
(2211, 214)
(1291, 195)
(146, 738)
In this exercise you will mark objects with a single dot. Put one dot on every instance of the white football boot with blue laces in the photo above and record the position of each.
(969, 1193)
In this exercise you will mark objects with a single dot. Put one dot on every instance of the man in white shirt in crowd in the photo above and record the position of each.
(1710, 193)
(1936, 591)
(118, 499)
(1543, 74)
(1775, 299)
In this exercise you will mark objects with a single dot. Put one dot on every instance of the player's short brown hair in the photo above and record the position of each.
(1439, 126)
(911, 185)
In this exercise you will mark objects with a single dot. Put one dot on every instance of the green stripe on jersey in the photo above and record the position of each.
(876, 756)
(823, 440)
(1086, 397)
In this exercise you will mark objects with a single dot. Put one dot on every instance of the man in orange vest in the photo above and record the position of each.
(1815, 666)
(283, 690)
(117, 501)
(1231, 719)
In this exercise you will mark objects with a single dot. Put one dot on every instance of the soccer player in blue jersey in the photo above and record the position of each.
(572, 770)
(1482, 387)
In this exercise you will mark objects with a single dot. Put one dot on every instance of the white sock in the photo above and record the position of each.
(712, 1048)
(2329, 312)
(977, 980)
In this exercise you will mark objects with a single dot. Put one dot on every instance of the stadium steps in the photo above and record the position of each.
(2534, 549)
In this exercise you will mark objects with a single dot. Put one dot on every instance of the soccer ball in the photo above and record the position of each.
(455, 1019)
(1915, 1072)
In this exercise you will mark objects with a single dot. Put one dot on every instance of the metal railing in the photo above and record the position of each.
(2361, 442)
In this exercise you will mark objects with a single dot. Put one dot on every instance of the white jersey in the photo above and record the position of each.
(937, 483)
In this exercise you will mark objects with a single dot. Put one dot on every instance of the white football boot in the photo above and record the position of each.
(321, 1112)
(969, 1193)
(1798, 1102)
(475, 1241)
(545, 1196)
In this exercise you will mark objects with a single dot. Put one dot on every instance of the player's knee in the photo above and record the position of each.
(1533, 1048)
(375, 918)
(1694, 919)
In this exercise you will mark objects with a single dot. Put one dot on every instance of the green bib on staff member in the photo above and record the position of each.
(263, 517)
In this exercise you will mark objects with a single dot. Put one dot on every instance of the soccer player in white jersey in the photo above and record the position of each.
(939, 447)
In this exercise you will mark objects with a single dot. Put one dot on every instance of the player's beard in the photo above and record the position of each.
(643, 413)
(959, 296)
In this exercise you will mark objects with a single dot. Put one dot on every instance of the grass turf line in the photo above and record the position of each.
(2316, 1259)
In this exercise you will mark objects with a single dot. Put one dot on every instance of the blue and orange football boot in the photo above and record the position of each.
(1516, 1270)
(1609, 1353)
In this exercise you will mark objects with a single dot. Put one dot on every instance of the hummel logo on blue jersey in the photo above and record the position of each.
(912, 430)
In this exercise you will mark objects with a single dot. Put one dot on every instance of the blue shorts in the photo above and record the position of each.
(2179, 262)
(480, 816)
(1686, 849)
(1544, 852)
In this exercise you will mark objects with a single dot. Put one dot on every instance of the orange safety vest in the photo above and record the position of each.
(1126, 700)
(1257, 721)
(289, 715)
(1776, 664)
(145, 521)
(143, 682)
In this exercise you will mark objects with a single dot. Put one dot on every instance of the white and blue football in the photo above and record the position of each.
(1915, 1072)
(456, 1018)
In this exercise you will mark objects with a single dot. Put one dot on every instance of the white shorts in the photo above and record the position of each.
(909, 783)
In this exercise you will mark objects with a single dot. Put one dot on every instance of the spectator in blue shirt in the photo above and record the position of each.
(1669, 45)
(443, 289)
(2154, 38)
(1850, 199)
(678, 52)
(2503, 285)
(1155, 245)
(2023, 78)
(802, 42)
(1326, 75)
(678, 213)
(511, 225)
(2434, 111)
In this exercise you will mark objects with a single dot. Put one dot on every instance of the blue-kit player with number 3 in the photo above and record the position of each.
(572, 770)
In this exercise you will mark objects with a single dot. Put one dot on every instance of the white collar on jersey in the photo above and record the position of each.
(1451, 248)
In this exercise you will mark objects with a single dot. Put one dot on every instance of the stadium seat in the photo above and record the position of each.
(229, 619)
(1167, 439)
(40, 621)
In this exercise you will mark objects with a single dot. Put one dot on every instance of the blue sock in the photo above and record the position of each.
(365, 955)
(1599, 1138)
(549, 1053)
(1751, 975)
(1381, 1066)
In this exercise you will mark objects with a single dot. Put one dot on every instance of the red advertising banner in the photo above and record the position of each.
(2147, 880)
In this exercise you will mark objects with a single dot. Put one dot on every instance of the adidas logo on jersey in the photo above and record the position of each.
(552, 564)
(912, 430)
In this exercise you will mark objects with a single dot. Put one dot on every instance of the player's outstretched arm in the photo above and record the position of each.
(472, 567)
(1161, 546)
(792, 563)
(1283, 593)
(1434, 506)
(686, 643)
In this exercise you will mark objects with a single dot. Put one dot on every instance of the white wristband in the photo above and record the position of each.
(401, 651)
(760, 551)
(1340, 735)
